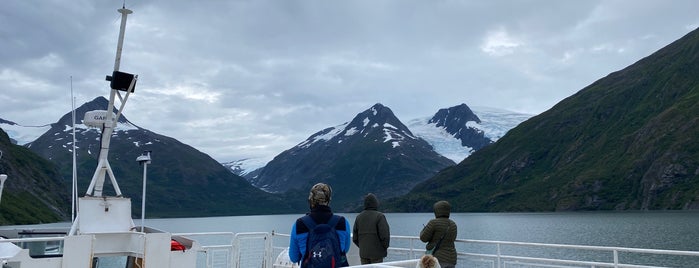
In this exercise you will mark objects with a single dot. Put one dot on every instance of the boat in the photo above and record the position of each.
(103, 234)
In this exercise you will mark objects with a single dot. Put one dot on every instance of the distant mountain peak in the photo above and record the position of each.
(374, 152)
(98, 103)
(3, 121)
(380, 118)
(463, 124)
(377, 121)
(454, 116)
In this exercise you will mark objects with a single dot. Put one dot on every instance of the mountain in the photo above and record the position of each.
(457, 132)
(34, 191)
(375, 152)
(626, 142)
(182, 181)
(456, 120)
(247, 168)
(493, 123)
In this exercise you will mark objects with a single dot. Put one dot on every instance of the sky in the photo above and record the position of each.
(249, 79)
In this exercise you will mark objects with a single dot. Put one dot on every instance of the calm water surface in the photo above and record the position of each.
(673, 230)
(660, 230)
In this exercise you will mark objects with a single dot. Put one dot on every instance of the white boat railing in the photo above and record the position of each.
(497, 254)
(613, 254)
(228, 250)
(263, 249)
(406, 250)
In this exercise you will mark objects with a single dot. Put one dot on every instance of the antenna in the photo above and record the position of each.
(119, 81)
(144, 159)
(74, 193)
(98, 213)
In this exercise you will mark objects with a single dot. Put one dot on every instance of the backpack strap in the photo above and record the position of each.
(309, 222)
(333, 221)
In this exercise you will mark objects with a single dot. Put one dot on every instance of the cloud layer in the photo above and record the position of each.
(239, 79)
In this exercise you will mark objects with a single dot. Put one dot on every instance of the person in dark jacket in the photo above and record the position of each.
(440, 232)
(371, 232)
(319, 201)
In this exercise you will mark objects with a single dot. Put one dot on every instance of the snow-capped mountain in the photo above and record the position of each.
(248, 167)
(181, 179)
(375, 152)
(493, 123)
(378, 117)
(457, 132)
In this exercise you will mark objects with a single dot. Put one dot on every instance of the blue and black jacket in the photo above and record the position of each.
(299, 232)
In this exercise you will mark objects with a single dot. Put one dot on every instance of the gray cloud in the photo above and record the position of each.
(239, 79)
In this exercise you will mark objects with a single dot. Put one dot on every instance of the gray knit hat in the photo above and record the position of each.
(320, 194)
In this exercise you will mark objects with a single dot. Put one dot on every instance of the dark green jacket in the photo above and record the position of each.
(434, 229)
(371, 232)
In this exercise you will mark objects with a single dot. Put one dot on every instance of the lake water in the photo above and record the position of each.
(661, 230)
(673, 230)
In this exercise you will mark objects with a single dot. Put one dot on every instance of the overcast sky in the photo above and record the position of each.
(238, 79)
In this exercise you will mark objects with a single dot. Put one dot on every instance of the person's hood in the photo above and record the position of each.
(371, 202)
(442, 209)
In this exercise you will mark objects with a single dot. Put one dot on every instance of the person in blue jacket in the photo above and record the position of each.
(319, 201)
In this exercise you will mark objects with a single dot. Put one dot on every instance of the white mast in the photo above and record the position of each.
(103, 167)
(100, 213)
(74, 191)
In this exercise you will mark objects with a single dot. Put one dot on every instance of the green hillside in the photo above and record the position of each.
(628, 141)
(33, 192)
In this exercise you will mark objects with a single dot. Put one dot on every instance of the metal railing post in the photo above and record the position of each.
(498, 246)
(268, 253)
(412, 247)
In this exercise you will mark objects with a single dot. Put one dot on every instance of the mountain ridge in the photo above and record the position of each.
(374, 152)
(182, 180)
(625, 142)
(495, 124)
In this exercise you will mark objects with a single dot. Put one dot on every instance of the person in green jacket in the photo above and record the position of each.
(371, 232)
(439, 234)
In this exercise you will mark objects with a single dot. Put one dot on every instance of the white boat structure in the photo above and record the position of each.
(103, 234)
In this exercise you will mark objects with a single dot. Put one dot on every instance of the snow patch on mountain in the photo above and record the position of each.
(324, 135)
(245, 166)
(351, 132)
(442, 141)
(23, 134)
(496, 122)
(394, 135)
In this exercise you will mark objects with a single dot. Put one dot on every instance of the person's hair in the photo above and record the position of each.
(428, 261)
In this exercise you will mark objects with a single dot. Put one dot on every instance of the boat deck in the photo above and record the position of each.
(268, 249)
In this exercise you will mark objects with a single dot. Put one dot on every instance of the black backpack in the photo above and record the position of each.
(323, 244)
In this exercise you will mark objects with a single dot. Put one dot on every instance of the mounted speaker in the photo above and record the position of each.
(121, 81)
